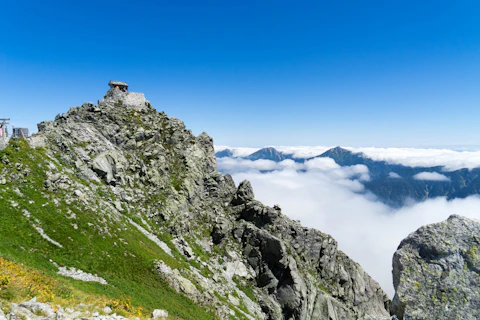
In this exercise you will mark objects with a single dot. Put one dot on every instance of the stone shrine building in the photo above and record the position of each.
(122, 86)
(118, 94)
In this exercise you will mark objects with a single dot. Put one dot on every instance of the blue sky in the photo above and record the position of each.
(350, 73)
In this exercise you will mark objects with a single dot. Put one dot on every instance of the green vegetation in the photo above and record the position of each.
(473, 253)
(324, 289)
(246, 288)
(111, 248)
(238, 311)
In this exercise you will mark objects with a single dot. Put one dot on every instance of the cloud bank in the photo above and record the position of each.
(324, 196)
(451, 160)
(394, 175)
(431, 176)
(237, 151)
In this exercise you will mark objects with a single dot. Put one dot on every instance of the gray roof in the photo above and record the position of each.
(117, 83)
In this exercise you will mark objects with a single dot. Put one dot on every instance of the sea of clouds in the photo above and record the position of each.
(323, 195)
(450, 159)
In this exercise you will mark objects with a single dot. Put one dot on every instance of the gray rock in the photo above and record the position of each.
(79, 274)
(273, 245)
(79, 194)
(108, 165)
(159, 314)
(244, 193)
(135, 100)
(436, 272)
(177, 281)
(38, 308)
(184, 247)
(221, 230)
(18, 312)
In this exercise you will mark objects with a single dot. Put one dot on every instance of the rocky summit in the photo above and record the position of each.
(436, 272)
(123, 203)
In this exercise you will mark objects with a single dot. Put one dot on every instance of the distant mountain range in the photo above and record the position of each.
(269, 154)
(393, 184)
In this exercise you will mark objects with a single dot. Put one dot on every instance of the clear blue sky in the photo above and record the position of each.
(351, 73)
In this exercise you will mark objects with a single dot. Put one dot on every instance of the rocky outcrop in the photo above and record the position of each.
(301, 272)
(436, 272)
(34, 310)
(134, 100)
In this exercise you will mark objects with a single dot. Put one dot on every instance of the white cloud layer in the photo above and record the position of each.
(346, 176)
(323, 196)
(394, 175)
(235, 165)
(237, 151)
(303, 151)
(451, 160)
(431, 176)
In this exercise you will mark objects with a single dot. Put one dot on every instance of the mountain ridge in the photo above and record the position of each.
(128, 194)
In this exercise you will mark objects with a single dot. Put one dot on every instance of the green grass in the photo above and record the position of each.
(127, 267)
(247, 289)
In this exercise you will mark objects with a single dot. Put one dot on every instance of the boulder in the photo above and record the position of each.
(221, 230)
(244, 193)
(135, 100)
(159, 314)
(38, 308)
(107, 165)
(436, 272)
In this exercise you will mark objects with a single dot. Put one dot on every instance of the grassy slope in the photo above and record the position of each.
(125, 264)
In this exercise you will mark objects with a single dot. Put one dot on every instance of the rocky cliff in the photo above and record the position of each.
(436, 272)
(127, 193)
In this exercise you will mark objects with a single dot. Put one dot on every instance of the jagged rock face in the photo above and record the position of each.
(301, 272)
(436, 272)
(160, 172)
(137, 150)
